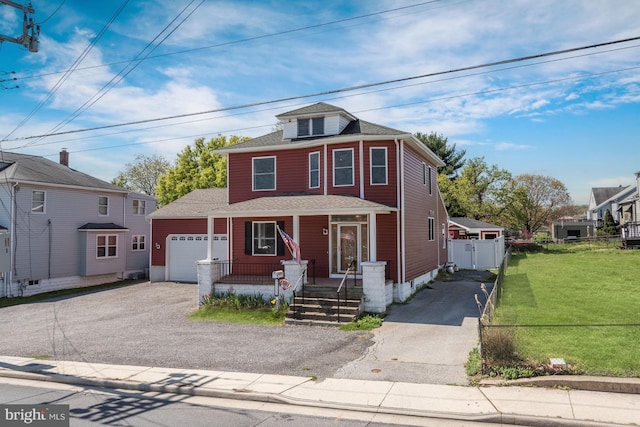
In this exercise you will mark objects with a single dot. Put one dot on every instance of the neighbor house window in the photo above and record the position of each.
(139, 207)
(313, 126)
(432, 230)
(343, 167)
(138, 243)
(264, 173)
(378, 165)
(106, 245)
(103, 205)
(264, 238)
(38, 201)
(314, 170)
(429, 180)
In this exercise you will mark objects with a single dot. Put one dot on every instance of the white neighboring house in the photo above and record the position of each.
(60, 228)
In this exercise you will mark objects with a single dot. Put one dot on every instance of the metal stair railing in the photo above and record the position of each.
(352, 264)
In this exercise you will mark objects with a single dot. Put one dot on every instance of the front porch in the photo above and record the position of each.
(631, 235)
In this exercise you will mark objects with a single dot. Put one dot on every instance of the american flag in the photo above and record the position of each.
(291, 244)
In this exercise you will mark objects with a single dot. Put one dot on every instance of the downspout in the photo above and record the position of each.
(9, 279)
(324, 168)
(400, 196)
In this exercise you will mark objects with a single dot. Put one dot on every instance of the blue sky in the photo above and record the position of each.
(574, 117)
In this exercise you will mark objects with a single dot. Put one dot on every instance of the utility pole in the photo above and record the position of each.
(30, 31)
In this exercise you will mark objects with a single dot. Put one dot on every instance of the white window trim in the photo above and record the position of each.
(316, 153)
(253, 173)
(386, 166)
(275, 238)
(430, 180)
(44, 202)
(424, 173)
(99, 205)
(141, 202)
(106, 246)
(353, 180)
(135, 239)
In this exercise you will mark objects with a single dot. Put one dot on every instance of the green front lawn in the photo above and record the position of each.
(590, 296)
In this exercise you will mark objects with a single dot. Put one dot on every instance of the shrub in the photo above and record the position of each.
(473, 366)
(499, 345)
(366, 322)
(233, 300)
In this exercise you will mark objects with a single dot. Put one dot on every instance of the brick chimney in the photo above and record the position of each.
(64, 157)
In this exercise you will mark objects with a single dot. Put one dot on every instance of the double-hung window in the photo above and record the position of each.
(264, 238)
(106, 245)
(378, 165)
(314, 126)
(103, 206)
(138, 243)
(38, 200)
(264, 173)
(314, 169)
(343, 167)
(139, 207)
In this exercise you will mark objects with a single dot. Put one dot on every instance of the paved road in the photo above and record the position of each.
(426, 340)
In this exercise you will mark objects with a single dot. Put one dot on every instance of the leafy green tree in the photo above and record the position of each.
(196, 167)
(142, 174)
(438, 143)
(476, 193)
(534, 201)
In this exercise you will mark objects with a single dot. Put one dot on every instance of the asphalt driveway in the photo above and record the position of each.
(146, 324)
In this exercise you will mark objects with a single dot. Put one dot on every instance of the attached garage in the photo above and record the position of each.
(179, 235)
(184, 250)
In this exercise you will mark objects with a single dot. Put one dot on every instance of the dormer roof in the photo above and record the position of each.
(318, 109)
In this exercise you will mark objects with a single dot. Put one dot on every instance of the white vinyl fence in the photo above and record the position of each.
(476, 254)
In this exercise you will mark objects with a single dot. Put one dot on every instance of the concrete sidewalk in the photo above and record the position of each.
(492, 403)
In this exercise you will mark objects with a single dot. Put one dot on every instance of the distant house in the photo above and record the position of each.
(179, 235)
(572, 230)
(629, 211)
(66, 229)
(354, 195)
(468, 228)
(607, 198)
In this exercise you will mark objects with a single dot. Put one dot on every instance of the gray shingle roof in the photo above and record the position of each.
(602, 194)
(101, 226)
(318, 108)
(16, 167)
(196, 204)
(470, 223)
(300, 204)
(356, 128)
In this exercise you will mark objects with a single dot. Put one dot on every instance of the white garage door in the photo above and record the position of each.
(183, 250)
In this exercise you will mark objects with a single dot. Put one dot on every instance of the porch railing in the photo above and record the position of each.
(248, 273)
(344, 282)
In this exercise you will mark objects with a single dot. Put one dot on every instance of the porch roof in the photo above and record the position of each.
(301, 205)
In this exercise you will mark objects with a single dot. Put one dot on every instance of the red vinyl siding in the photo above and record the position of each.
(384, 194)
(315, 245)
(421, 253)
(161, 228)
(387, 243)
(351, 190)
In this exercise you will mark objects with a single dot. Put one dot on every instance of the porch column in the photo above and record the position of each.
(296, 228)
(374, 286)
(209, 237)
(373, 247)
(208, 274)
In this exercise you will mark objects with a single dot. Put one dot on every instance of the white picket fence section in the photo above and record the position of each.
(476, 254)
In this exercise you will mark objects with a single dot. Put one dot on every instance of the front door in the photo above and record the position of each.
(348, 246)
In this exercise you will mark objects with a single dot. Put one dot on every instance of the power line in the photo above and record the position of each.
(249, 39)
(343, 90)
(443, 98)
(124, 72)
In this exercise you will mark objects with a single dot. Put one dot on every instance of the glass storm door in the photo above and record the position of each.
(348, 246)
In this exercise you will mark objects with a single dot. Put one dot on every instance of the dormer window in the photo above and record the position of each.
(308, 127)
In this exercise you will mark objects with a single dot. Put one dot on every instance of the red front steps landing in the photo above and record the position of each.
(320, 306)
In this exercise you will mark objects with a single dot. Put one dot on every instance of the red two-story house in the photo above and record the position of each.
(349, 192)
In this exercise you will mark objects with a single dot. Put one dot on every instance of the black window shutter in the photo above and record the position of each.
(279, 242)
(248, 232)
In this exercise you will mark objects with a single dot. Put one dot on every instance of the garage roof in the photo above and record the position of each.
(196, 204)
